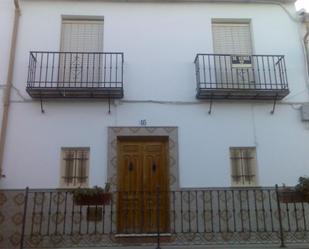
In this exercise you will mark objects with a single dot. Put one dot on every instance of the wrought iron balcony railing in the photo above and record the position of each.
(223, 76)
(75, 75)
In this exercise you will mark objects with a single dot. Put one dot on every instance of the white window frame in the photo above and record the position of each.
(243, 166)
(75, 182)
(236, 22)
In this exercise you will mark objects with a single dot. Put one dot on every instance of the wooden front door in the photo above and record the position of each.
(143, 203)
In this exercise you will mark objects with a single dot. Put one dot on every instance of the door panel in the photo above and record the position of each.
(142, 171)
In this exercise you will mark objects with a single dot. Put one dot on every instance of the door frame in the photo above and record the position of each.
(168, 132)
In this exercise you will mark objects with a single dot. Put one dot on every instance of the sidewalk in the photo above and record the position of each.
(265, 246)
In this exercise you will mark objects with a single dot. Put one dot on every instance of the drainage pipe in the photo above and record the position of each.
(8, 86)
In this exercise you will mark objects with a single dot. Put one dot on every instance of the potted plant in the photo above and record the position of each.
(92, 196)
(300, 193)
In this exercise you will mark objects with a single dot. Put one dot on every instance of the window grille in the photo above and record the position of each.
(75, 167)
(243, 166)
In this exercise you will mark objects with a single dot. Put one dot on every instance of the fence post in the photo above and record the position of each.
(24, 219)
(280, 218)
(158, 218)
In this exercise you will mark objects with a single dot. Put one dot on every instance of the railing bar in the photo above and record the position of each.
(57, 213)
(263, 210)
(227, 212)
(211, 212)
(46, 70)
(288, 216)
(110, 69)
(122, 61)
(49, 212)
(204, 212)
(87, 76)
(256, 212)
(42, 211)
(116, 73)
(181, 211)
(269, 72)
(99, 71)
(241, 210)
(95, 220)
(70, 70)
(264, 73)
(93, 69)
(24, 219)
(234, 211)
(40, 70)
(73, 214)
(111, 213)
(189, 210)
(104, 78)
(196, 212)
(285, 73)
(219, 210)
(53, 67)
(304, 216)
(174, 211)
(30, 70)
(271, 210)
(65, 211)
(249, 211)
(81, 75)
(215, 76)
(103, 219)
(75, 73)
(226, 74)
(275, 72)
(209, 69)
(295, 215)
(80, 220)
(204, 70)
(33, 211)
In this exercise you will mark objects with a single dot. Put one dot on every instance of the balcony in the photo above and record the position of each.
(255, 77)
(75, 75)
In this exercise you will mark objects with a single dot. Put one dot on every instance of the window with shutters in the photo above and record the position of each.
(243, 166)
(232, 37)
(74, 167)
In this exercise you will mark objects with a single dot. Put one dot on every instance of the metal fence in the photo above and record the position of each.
(185, 217)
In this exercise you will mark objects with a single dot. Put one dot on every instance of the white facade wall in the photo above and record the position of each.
(159, 41)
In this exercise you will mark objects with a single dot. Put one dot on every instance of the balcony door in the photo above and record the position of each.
(79, 69)
(232, 38)
(142, 169)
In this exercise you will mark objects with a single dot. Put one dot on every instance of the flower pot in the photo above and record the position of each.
(98, 199)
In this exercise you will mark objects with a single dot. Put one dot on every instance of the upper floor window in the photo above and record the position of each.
(231, 37)
(82, 35)
(74, 167)
(243, 166)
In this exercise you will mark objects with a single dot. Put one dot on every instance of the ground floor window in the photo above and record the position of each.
(243, 166)
(74, 167)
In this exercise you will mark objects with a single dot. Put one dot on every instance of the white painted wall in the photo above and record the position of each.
(160, 41)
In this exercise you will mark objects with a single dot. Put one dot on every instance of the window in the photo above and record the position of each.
(74, 167)
(243, 166)
(232, 37)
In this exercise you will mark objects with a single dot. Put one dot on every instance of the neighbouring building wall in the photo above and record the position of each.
(159, 41)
